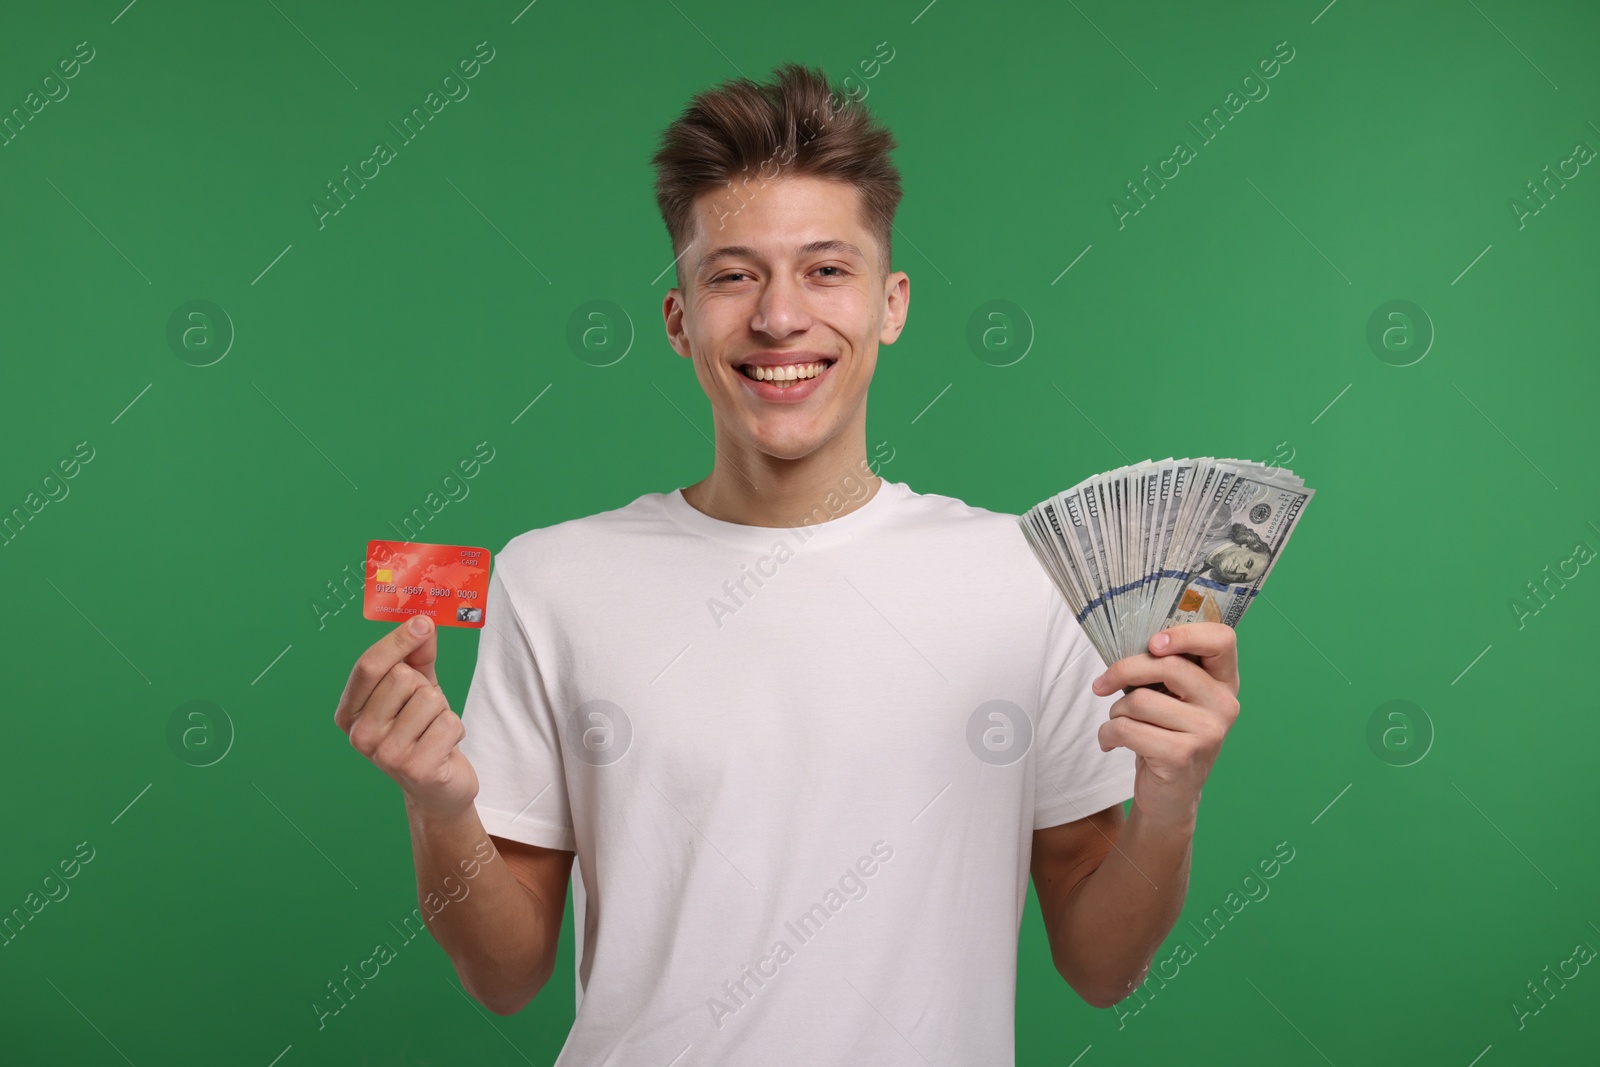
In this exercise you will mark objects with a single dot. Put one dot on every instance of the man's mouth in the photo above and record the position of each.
(785, 376)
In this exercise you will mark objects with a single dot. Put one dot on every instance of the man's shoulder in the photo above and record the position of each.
(986, 545)
(568, 541)
(960, 519)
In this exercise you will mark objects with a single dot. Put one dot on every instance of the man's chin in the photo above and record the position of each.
(792, 444)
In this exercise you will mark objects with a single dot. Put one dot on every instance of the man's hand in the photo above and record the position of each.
(1176, 734)
(397, 717)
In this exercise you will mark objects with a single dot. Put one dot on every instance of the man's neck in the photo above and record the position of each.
(766, 491)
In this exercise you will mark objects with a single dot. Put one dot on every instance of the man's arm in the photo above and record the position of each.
(502, 930)
(1110, 890)
(1110, 893)
(495, 911)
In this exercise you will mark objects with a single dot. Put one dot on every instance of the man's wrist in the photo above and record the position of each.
(423, 814)
(1169, 825)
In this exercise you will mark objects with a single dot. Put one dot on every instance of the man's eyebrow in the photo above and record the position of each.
(810, 248)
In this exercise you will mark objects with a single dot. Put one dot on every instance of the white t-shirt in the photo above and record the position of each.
(800, 768)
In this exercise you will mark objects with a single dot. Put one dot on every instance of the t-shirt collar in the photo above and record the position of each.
(807, 529)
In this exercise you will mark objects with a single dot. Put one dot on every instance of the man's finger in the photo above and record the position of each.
(1213, 643)
(398, 644)
(423, 655)
(1157, 709)
(1183, 677)
(414, 710)
(1146, 739)
(378, 715)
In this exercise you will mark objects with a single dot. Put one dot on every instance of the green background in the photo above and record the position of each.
(1229, 317)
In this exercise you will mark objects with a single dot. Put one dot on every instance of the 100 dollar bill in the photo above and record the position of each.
(1154, 544)
(1249, 521)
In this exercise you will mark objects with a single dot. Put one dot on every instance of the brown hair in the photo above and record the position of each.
(794, 125)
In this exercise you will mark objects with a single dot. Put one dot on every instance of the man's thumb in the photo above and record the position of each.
(425, 636)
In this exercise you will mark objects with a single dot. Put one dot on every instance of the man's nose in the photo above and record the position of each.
(781, 309)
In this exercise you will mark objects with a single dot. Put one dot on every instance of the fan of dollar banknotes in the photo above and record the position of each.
(1154, 544)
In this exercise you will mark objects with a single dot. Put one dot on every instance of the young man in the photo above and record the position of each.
(805, 730)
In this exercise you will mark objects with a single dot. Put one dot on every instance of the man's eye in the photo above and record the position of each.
(840, 270)
(730, 275)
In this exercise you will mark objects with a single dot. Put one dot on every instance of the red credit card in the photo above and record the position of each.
(447, 583)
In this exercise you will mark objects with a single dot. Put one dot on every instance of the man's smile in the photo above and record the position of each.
(785, 377)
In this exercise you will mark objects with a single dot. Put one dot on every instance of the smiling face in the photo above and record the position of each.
(788, 283)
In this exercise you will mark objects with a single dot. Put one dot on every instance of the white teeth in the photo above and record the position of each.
(784, 374)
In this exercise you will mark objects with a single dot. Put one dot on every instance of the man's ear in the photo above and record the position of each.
(672, 312)
(897, 303)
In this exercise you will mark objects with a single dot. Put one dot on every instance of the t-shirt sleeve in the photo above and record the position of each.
(1073, 778)
(512, 740)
